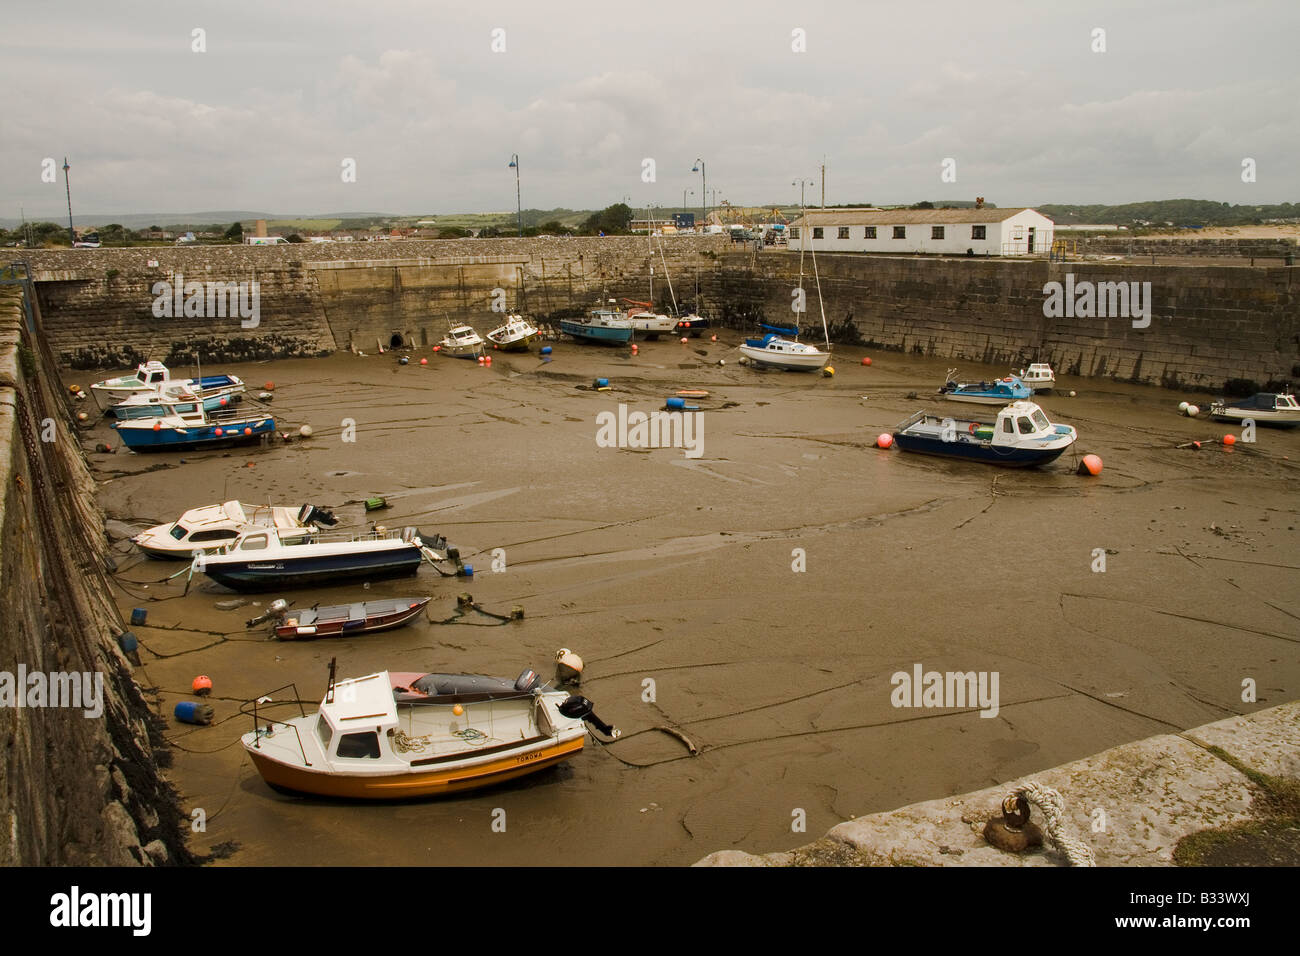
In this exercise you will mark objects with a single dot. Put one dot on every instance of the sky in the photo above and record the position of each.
(282, 95)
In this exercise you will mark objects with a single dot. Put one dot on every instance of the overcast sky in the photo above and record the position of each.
(584, 92)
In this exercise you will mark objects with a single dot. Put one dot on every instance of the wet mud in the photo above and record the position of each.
(656, 566)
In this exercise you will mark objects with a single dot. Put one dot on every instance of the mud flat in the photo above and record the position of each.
(656, 566)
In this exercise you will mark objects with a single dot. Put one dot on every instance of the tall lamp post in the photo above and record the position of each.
(802, 184)
(519, 208)
(72, 234)
(704, 188)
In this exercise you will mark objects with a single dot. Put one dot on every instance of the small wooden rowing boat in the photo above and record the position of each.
(349, 620)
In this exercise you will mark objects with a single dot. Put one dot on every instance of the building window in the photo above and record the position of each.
(977, 232)
(817, 232)
(900, 232)
(844, 232)
(1018, 232)
(936, 232)
(869, 232)
(794, 232)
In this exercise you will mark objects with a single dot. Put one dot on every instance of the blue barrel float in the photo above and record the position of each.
(126, 640)
(546, 350)
(680, 404)
(601, 383)
(192, 712)
(138, 615)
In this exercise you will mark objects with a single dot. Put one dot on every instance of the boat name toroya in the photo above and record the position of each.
(624, 429)
(208, 300)
(952, 689)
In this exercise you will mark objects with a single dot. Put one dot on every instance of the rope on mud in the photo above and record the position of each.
(1053, 807)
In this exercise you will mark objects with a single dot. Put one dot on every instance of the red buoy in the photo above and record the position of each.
(1230, 440)
(218, 431)
(424, 361)
(247, 430)
(884, 440)
(202, 685)
(866, 360)
(1090, 465)
(683, 340)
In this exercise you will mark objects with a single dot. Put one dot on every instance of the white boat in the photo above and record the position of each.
(212, 526)
(773, 351)
(152, 404)
(395, 735)
(1021, 437)
(1039, 377)
(514, 336)
(1265, 408)
(462, 342)
(650, 324)
(150, 376)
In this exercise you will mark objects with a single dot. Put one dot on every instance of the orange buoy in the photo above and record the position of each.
(683, 340)
(866, 360)
(218, 431)
(250, 464)
(223, 400)
(458, 710)
(884, 440)
(269, 386)
(157, 426)
(202, 685)
(488, 360)
(634, 348)
(1230, 440)
(1090, 465)
(713, 338)
(424, 361)
(247, 430)
(437, 348)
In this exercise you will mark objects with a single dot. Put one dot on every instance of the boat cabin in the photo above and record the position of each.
(1020, 421)
(152, 374)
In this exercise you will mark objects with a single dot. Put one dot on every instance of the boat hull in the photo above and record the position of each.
(313, 571)
(343, 626)
(601, 335)
(510, 763)
(788, 362)
(1288, 418)
(978, 451)
(516, 345)
(192, 436)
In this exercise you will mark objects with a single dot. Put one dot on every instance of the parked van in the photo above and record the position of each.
(266, 240)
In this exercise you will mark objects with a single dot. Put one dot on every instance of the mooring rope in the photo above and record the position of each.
(1053, 807)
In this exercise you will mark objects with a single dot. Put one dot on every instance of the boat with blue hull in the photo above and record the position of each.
(267, 559)
(187, 426)
(773, 350)
(1021, 437)
(1010, 389)
(602, 326)
(152, 405)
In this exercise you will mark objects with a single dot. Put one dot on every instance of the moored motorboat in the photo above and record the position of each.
(152, 375)
(692, 325)
(180, 426)
(212, 526)
(267, 559)
(1263, 408)
(1021, 437)
(1009, 389)
(647, 322)
(396, 735)
(151, 404)
(773, 350)
(1039, 377)
(514, 336)
(603, 326)
(461, 342)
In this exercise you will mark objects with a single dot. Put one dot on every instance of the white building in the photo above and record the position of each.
(998, 232)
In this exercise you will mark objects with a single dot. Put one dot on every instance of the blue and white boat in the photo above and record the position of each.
(267, 559)
(185, 425)
(159, 402)
(1009, 389)
(604, 326)
(152, 376)
(1021, 437)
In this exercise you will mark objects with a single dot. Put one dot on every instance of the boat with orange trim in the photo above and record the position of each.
(398, 735)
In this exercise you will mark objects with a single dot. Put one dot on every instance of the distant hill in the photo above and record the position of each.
(1176, 212)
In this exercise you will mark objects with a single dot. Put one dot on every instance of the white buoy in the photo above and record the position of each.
(1072, 393)
(568, 665)
(1193, 411)
(1182, 406)
(722, 361)
(305, 431)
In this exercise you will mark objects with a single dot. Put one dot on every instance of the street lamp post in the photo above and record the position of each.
(72, 234)
(802, 184)
(519, 208)
(704, 188)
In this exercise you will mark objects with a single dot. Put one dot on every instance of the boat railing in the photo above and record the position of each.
(912, 420)
(272, 722)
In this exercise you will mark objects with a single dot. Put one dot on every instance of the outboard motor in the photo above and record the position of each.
(276, 609)
(527, 681)
(310, 514)
(577, 707)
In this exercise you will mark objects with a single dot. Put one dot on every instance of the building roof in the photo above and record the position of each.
(905, 217)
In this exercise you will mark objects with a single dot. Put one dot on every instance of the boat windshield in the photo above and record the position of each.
(1041, 420)
(177, 532)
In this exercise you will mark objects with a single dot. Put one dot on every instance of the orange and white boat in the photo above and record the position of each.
(390, 736)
